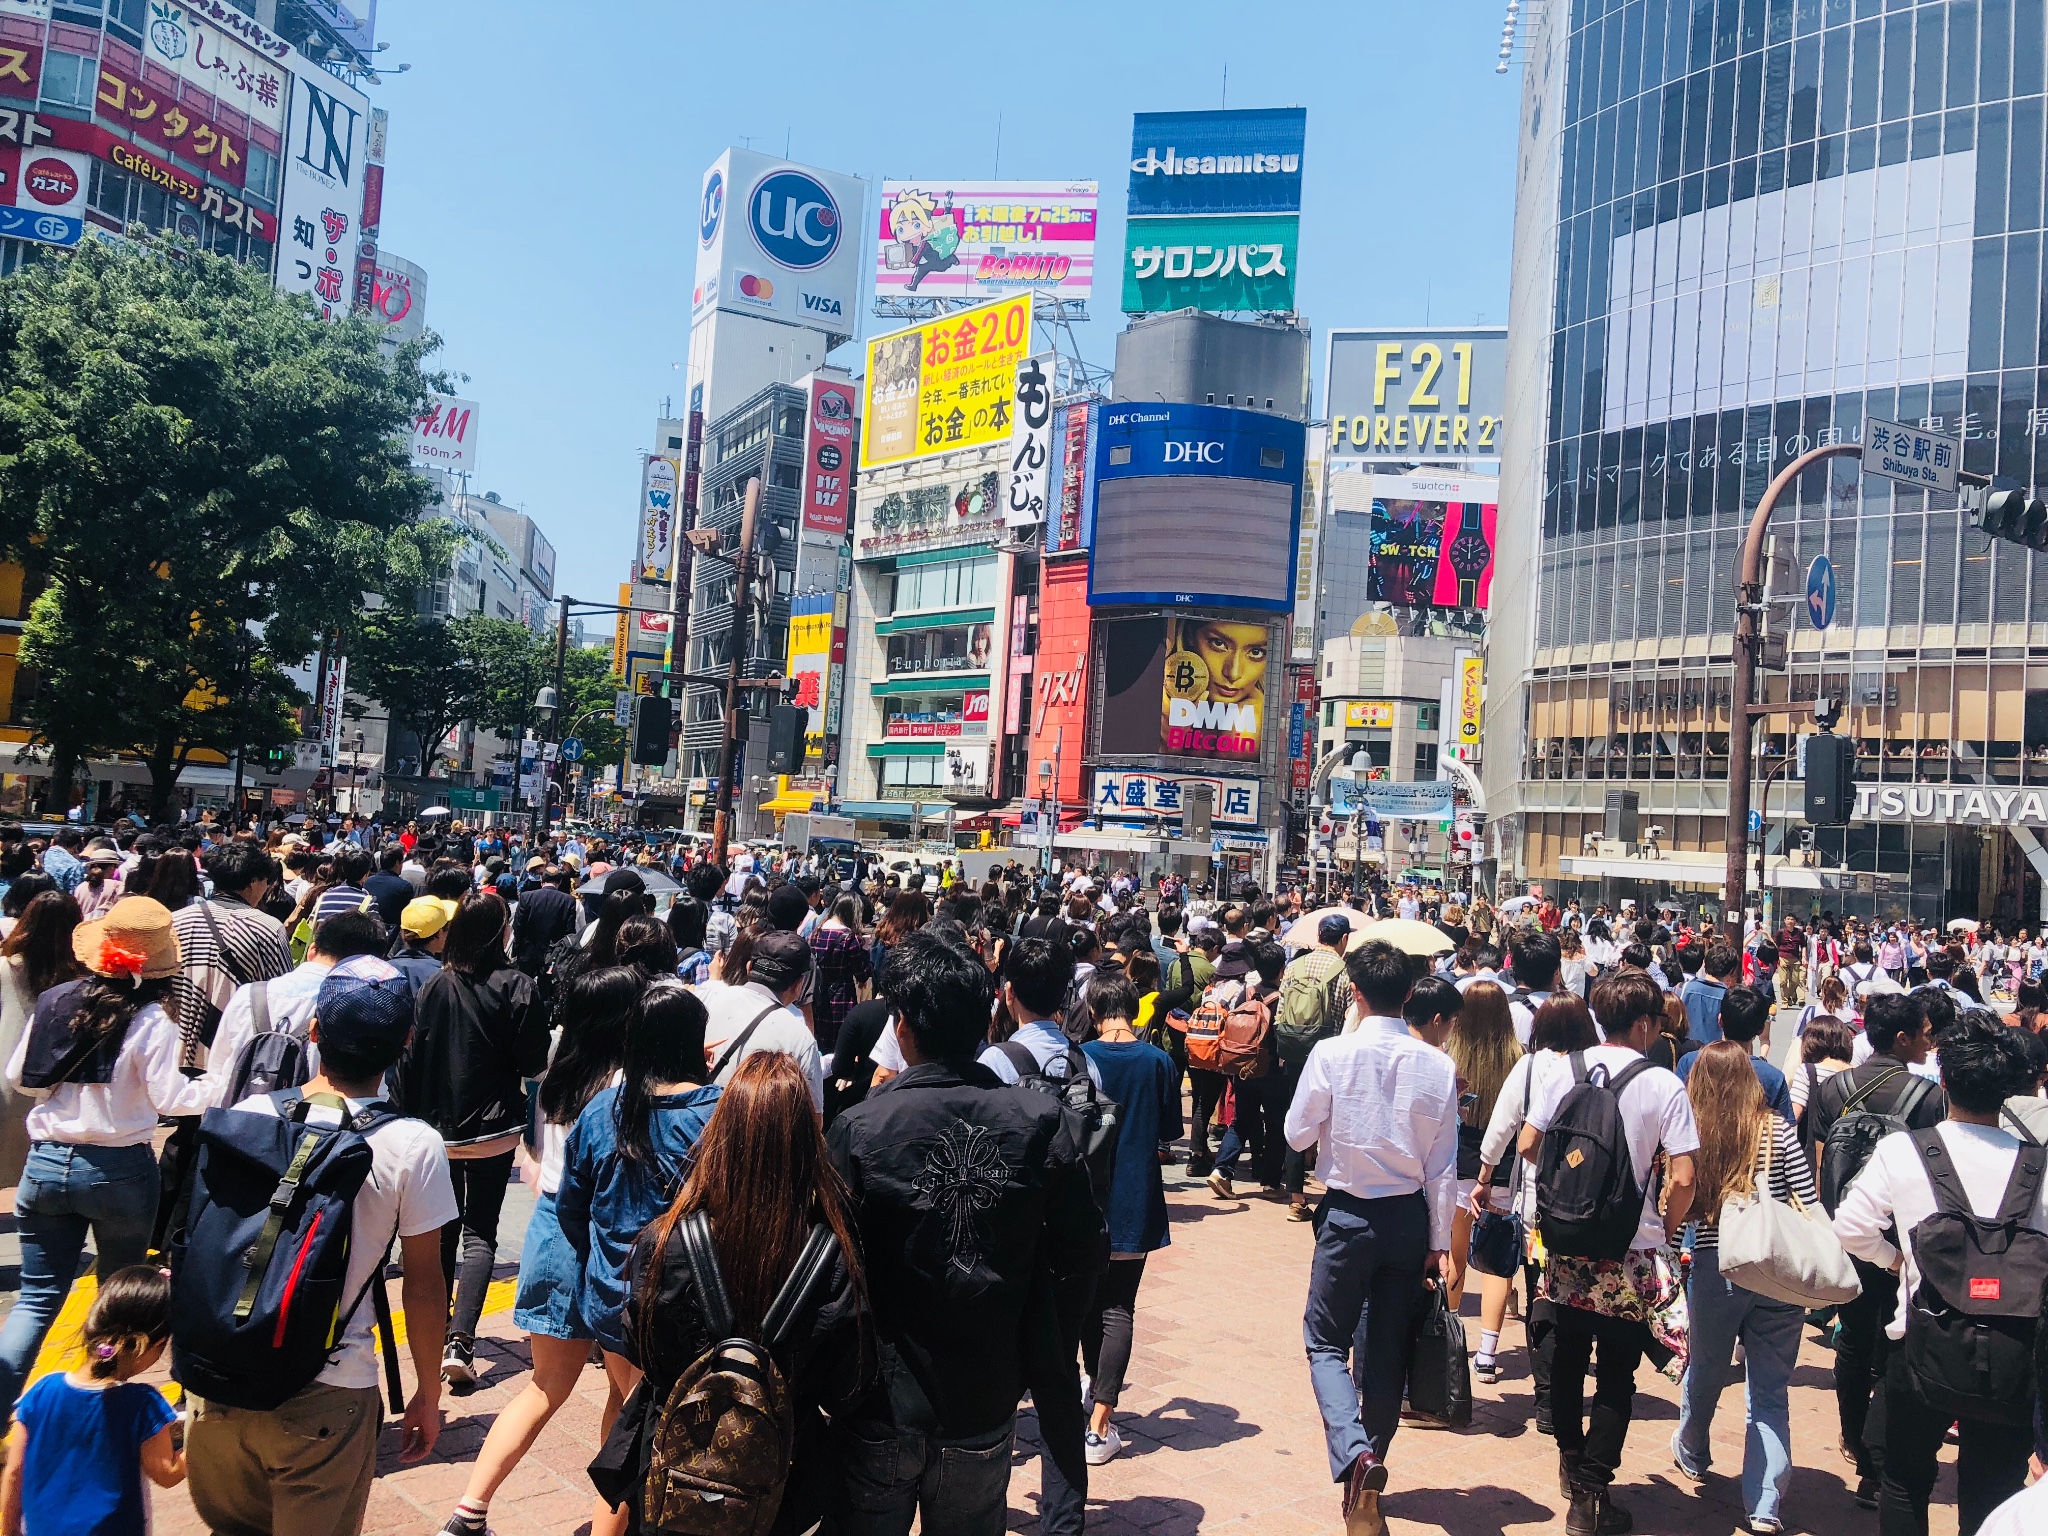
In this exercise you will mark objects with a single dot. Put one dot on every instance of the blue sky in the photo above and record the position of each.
(545, 161)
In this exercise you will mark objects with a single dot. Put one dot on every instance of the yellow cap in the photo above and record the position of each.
(425, 916)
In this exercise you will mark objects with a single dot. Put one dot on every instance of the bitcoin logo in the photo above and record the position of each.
(1187, 676)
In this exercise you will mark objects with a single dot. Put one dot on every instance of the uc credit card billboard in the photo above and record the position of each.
(1196, 504)
(779, 239)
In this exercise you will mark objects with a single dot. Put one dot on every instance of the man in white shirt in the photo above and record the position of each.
(289, 999)
(1982, 1064)
(306, 1466)
(763, 1014)
(1656, 1116)
(1536, 961)
(1383, 1108)
(1036, 975)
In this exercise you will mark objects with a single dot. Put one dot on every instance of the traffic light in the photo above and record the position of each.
(651, 723)
(786, 739)
(2017, 516)
(1830, 780)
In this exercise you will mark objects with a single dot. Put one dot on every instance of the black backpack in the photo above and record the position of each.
(271, 1058)
(1857, 1131)
(1588, 1203)
(1094, 1120)
(1970, 1329)
(259, 1274)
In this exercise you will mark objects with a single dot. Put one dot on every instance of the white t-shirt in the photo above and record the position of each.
(732, 1009)
(408, 1194)
(123, 1111)
(1655, 1113)
(2024, 1514)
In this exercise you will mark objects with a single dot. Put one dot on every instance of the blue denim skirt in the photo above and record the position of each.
(549, 1278)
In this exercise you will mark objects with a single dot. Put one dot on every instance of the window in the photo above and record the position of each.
(945, 584)
(1425, 760)
(956, 648)
(262, 173)
(70, 78)
(1425, 717)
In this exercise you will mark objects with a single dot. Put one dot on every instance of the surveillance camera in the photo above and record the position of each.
(1653, 834)
(1827, 713)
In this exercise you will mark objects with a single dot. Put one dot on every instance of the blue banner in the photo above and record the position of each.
(1217, 162)
(1384, 800)
(44, 228)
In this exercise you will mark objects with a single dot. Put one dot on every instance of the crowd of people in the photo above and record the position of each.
(830, 1175)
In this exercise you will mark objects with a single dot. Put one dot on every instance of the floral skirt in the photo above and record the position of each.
(1646, 1287)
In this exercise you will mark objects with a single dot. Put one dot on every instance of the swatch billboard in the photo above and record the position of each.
(1196, 504)
(1432, 542)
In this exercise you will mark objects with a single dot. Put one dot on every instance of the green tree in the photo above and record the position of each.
(202, 479)
(415, 668)
(511, 663)
(589, 689)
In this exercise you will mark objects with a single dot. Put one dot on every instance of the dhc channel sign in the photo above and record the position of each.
(794, 219)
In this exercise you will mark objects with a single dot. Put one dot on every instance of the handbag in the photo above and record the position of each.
(1500, 1242)
(1784, 1250)
(1439, 1375)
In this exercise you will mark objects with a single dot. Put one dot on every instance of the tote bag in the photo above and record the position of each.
(1786, 1251)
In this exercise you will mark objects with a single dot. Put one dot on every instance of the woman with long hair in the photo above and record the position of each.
(1562, 1025)
(478, 1037)
(174, 879)
(594, 1008)
(35, 957)
(1739, 1136)
(908, 912)
(761, 1183)
(1483, 1048)
(844, 974)
(22, 890)
(1674, 1040)
(646, 944)
(101, 1057)
(689, 924)
(623, 1165)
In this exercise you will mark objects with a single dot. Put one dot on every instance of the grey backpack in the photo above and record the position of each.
(272, 1058)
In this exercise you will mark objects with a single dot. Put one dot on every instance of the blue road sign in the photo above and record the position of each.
(572, 750)
(1756, 822)
(1820, 591)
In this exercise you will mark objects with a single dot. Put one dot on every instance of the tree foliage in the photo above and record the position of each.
(203, 479)
(414, 667)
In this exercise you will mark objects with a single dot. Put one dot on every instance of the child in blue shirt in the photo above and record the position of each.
(82, 1441)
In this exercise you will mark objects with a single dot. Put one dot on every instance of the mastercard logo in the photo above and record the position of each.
(756, 287)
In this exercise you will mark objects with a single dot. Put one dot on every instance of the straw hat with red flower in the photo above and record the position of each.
(134, 942)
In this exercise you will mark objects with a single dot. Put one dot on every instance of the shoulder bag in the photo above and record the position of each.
(1784, 1250)
(1500, 1242)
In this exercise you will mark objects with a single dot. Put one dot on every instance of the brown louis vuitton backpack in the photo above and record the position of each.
(723, 1440)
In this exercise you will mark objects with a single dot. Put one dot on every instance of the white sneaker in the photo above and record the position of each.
(1103, 1447)
(1087, 1393)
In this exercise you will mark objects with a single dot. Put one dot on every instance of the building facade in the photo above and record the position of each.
(1742, 232)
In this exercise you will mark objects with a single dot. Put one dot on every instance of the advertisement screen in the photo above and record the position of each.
(1196, 504)
(1406, 395)
(1231, 263)
(944, 385)
(1244, 161)
(326, 163)
(1187, 687)
(1429, 549)
(983, 239)
(829, 434)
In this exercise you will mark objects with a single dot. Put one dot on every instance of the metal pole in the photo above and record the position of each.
(1764, 801)
(540, 812)
(1742, 711)
(721, 820)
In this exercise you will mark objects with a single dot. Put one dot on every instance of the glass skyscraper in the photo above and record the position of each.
(1743, 228)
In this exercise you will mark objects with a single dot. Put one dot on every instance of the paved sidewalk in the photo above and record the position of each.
(1221, 1427)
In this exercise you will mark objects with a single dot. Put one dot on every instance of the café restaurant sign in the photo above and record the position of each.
(1951, 805)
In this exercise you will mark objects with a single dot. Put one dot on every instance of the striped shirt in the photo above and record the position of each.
(1791, 1175)
(222, 944)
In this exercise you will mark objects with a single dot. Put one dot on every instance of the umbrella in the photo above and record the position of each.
(651, 878)
(1516, 904)
(1301, 933)
(1405, 934)
(1963, 925)
(435, 810)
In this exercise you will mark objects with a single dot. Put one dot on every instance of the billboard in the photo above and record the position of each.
(940, 510)
(1137, 791)
(1471, 700)
(808, 662)
(1242, 161)
(775, 238)
(980, 239)
(1227, 263)
(354, 21)
(1059, 682)
(658, 483)
(1432, 542)
(398, 296)
(45, 172)
(326, 161)
(944, 385)
(445, 437)
(21, 62)
(1077, 474)
(181, 127)
(1437, 393)
(211, 46)
(1189, 686)
(1030, 474)
(830, 431)
(1196, 504)
(1368, 717)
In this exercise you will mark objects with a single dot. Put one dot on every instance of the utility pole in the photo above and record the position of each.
(1742, 709)
(728, 744)
(540, 812)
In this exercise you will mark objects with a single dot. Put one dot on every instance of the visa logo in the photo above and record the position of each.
(820, 304)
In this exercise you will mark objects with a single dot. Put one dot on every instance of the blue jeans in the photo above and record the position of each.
(1722, 1313)
(66, 1190)
(1363, 1286)
(960, 1487)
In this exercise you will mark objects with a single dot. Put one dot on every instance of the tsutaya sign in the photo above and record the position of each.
(1964, 806)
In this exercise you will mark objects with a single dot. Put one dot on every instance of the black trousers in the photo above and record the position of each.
(480, 1197)
(1539, 1324)
(1106, 1339)
(1058, 1310)
(1279, 1163)
(1991, 1459)
(1861, 1351)
(1206, 1090)
(1597, 1442)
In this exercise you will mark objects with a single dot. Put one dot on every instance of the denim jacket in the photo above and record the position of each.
(605, 1202)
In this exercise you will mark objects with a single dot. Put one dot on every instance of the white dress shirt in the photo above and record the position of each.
(147, 1083)
(1892, 1190)
(732, 1009)
(289, 998)
(1384, 1107)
